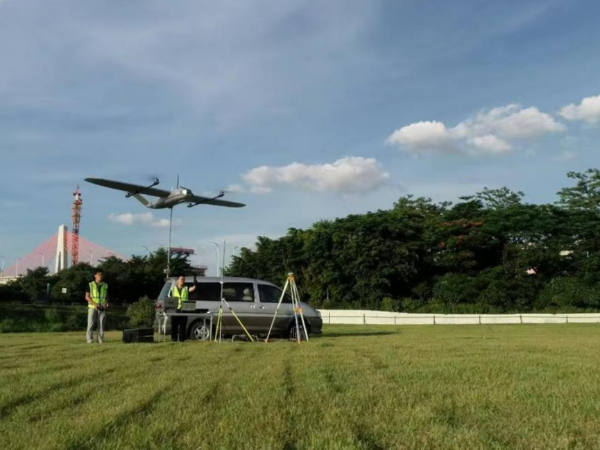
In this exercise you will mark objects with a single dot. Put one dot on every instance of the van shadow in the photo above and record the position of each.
(355, 334)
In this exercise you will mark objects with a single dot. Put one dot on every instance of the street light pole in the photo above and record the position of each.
(223, 264)
(218, 256)
(169, 249)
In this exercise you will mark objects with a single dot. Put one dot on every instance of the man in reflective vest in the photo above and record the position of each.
(179, 323)
(97, 298)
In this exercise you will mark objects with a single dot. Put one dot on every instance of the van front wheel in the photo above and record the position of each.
(292, 331)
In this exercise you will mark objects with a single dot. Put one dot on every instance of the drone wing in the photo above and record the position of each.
(198, 200)
(131, 188)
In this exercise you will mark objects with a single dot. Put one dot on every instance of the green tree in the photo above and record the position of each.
(34, 282)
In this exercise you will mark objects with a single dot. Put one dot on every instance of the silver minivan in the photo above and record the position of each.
(253, 301)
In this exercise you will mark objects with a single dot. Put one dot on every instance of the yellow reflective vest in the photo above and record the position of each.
(181, 294)
(98, 295)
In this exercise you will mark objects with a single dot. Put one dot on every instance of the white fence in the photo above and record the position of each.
(360, 317)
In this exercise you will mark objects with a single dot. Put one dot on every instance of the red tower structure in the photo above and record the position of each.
(76, 215)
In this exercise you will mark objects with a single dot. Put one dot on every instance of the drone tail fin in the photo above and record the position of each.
(140, 198)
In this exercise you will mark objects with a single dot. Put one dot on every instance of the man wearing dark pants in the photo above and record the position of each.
(179, 323)
(97, 297)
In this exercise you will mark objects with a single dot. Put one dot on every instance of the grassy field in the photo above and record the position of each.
(356, 387)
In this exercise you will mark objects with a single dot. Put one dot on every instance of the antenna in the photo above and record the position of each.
(219, 328)
(170, 227)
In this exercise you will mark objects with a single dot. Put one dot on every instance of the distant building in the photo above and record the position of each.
(199, 270)
(6, 280)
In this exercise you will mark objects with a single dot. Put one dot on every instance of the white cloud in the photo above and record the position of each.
(487, 133)
(490, 144)
(423, 136)
(260, 190)
(146, 219)
(588, 110)
(526, 123)
(346, 175)
(567, 155)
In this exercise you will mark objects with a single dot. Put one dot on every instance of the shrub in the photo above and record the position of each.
(52, 315)
(388, 304)
(455, 288)
(411, 305)
(141, 313)
(568, 292)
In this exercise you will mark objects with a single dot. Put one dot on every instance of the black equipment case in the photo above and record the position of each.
(138, 335)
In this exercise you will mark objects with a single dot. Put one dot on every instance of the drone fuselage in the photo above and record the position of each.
(177, 196)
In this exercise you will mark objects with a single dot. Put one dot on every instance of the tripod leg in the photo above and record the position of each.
(221, 325)
(218, 327)
(295, 306)
(277, 310)
(238, 319)
(301, 314)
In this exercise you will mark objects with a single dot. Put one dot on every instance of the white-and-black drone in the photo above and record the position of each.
(166, 199)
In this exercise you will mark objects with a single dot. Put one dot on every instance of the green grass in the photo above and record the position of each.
(356, 387)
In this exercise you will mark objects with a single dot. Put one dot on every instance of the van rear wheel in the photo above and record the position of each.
(200, 332)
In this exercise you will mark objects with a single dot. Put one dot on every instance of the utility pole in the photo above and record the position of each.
(223, 264)
(218, 257)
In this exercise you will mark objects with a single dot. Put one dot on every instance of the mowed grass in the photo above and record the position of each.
(355, 387)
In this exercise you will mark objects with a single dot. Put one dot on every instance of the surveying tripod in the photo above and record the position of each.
(291, 284)
(219, 327)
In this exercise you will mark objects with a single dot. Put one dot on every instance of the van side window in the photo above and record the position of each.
(210, 292)
(164, 293)
(272, 294)
(238, 292)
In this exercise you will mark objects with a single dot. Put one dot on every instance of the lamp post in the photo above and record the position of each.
(90, 256)
(218, 256)
(2, 269)
(42, 255)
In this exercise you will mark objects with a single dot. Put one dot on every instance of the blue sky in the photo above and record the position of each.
(303, 110)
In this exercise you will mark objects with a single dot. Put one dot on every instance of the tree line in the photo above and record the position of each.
(490, 252)
(129, 280)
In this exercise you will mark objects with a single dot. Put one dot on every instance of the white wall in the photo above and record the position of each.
(365, 317)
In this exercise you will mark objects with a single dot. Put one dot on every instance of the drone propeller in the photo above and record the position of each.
(155, 181)
(221, 194)
(152, 178)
